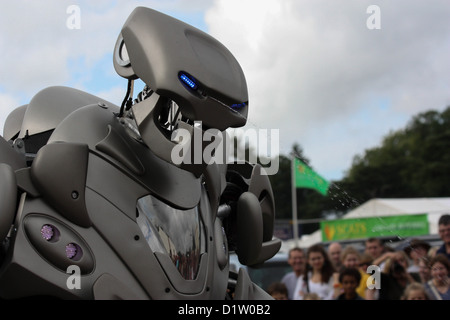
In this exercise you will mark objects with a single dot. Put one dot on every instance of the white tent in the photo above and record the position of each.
(433, 207)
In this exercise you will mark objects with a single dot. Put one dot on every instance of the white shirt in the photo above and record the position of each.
(323, 290)
(290, 280)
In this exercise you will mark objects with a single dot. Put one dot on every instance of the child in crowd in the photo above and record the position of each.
(415, 291)
(278, 291)
(349, 278)
(351, 258)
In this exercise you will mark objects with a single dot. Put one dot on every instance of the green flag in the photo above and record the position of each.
(305, 177)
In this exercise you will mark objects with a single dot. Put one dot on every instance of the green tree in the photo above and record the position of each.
(411, 162)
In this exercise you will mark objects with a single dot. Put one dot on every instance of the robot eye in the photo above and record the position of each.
(238, 105)
(188, 80)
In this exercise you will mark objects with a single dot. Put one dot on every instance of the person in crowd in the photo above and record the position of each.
(334, 253)
(395, 277)
(365, 261)
(432, 251)
(296, 259)
(318, 275)
(388, 254)
(415, 291)
(416, 250)
(351, 258)
(444, 233)
(375, 248)
(438, 288)
(424, 269)
(278, 291)
(350, 279)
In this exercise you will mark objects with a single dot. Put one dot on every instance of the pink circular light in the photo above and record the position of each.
(47, 232)
(71, 250)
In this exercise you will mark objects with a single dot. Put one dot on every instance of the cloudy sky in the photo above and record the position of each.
(315, 70)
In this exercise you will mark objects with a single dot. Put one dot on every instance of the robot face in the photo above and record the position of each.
(186, 65)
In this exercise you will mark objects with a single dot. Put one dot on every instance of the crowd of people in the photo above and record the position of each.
(415, 272)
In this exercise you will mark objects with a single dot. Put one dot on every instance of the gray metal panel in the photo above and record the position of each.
(118, 188)
(108, 287)
(51, 105)
(249, 229)
(24, 183)
(10, 156)
(8, 199)
(59, 173)
(116, 147)
(261, 187)
(13, 122)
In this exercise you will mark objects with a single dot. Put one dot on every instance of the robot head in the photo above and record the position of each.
(181, 65)
(184, 64)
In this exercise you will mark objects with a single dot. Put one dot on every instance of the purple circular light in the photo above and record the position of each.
(47, 232)
(71, 250)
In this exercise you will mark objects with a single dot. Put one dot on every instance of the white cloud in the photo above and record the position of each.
(114, 95)
(314, 68)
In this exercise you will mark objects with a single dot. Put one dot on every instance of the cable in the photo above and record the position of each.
(126, 101)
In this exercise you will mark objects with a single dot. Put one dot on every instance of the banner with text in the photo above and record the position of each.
(403, 226)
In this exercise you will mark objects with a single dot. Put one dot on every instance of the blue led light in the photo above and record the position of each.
(188, 81)
(238, 105)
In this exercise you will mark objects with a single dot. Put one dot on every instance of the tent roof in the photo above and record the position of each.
(387, 207)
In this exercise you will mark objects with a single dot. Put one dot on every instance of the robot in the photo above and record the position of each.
(93, 204)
